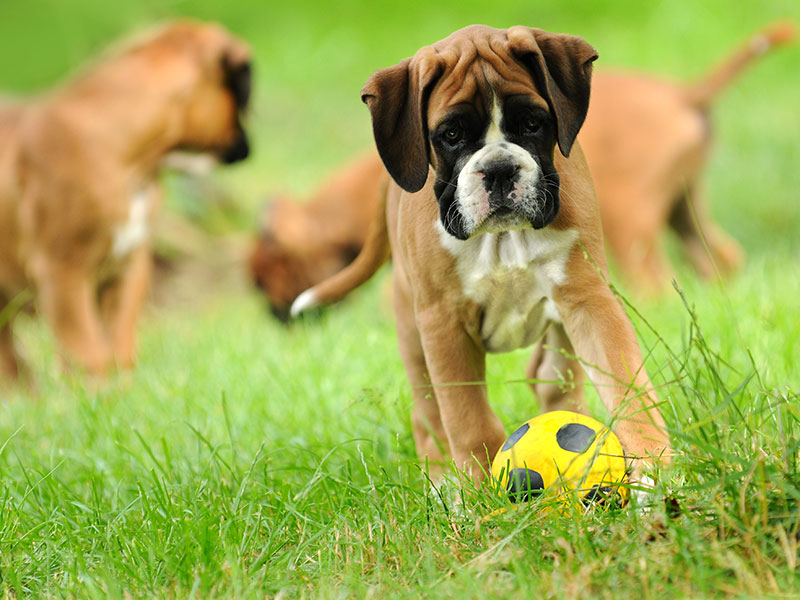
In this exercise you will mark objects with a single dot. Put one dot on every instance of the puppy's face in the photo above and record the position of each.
(283, 272)
(278, 273)
(485, 108)
(290, 256)
(216, 82)
(493, 161)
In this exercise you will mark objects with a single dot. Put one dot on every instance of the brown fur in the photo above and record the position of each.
(439, 327)
(73, 162)
(646, 142)
(303, 243)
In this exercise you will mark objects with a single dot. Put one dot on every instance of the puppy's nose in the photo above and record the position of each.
(498, 176)
(238, 150)
(280, 312)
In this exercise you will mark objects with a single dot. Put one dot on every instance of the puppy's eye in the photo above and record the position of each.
(453, 135)
(531, 126)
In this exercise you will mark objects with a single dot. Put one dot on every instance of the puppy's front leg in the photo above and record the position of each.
(121, 303)
(9, 368)
(605, 342)
(457, 368)
(67, 300)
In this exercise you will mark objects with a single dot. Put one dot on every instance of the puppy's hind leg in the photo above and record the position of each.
(9, 367)
(710, 249)
(556, 376)
(635, 238)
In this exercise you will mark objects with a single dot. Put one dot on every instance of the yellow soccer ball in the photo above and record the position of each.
(570, 455)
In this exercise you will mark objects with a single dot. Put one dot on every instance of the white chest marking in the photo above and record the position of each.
(132, 233)
(511, 275)
(191, 163)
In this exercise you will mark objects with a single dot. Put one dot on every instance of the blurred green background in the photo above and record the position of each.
(312, 58)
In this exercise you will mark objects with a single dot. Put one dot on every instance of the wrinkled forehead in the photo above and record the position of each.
(478, 82)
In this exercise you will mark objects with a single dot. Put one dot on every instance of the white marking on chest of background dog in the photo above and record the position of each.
(198, 164)
(511, 275)
(132, 233)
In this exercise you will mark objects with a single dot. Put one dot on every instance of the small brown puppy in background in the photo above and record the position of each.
(78, 180)
(496, 242)
(303, 243)
(647, 142)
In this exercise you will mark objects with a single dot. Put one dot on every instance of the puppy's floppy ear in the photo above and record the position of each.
(397, 98)
(562, 69)
(237, 71)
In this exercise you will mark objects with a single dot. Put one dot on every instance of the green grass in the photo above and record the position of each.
(243, 459)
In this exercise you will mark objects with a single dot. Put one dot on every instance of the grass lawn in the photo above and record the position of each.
(244, 459)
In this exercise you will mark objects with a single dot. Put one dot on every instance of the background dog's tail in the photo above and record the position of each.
(373, 255)
(702, 92)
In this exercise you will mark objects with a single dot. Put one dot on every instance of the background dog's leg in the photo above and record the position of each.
(560, 377)
(473, 430)
(67, 298)
(9, 369)
(604, 340)
(634, 238)
(120, 304)
(707, 246)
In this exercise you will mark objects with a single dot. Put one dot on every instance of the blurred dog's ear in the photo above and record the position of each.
(561, 66)
(397, 98)
(238, 73)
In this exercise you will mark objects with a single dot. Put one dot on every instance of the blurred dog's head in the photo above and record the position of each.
(209, 74)
(485, 108)
(278, 272)
(289, 256)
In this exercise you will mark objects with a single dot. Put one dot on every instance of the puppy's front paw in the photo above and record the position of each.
(642, 492)
(448, 491)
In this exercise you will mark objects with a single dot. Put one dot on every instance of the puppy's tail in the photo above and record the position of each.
(375, 252)
(702, 92)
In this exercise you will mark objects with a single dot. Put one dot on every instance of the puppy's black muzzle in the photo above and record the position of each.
(499, 179)
(239, 150)
(280, 312)
(239, 80)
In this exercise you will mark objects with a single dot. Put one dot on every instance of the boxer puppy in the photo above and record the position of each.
(304, 243)
(78, 180)
(647, 142)
(495, 236)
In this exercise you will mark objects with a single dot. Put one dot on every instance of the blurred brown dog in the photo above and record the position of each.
(646, 142)
(303, 243)
(78, 180)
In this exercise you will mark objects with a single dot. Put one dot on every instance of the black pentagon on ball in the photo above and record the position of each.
(603, 495)
(514, 437)
(574, 437)
(524, 485)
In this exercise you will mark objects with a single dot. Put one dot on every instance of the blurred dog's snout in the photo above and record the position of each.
(239, 150)
(280, 312)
